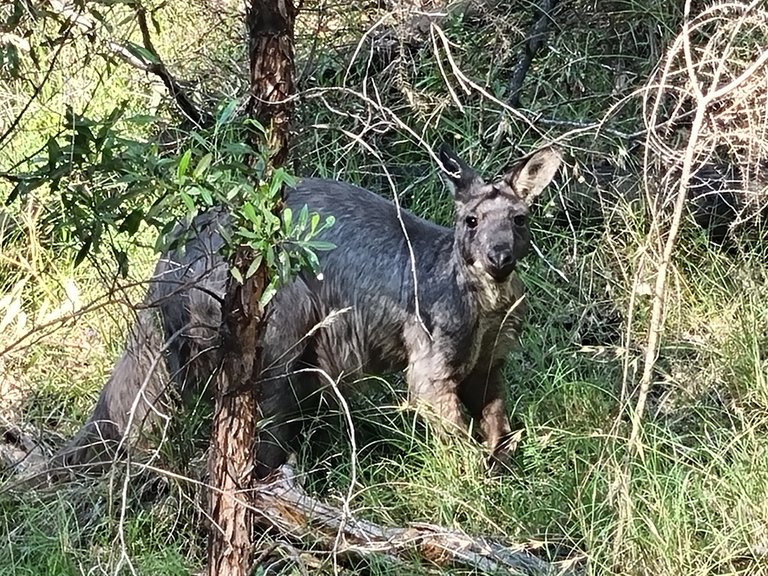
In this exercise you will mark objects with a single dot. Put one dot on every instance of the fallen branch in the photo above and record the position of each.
(536, 38)
(282, 504)
(20, 448)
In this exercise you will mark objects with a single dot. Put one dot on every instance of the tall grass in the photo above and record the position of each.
(691, 500)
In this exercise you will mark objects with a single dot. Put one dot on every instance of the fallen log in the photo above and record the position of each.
(283, 505)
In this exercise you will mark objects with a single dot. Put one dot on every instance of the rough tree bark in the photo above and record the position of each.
(270, 31)
(270, 28)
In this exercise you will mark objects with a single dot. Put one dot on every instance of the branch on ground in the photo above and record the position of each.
(282, 504)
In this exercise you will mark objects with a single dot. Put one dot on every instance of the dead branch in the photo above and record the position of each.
(282, 504)
(156, 67)
(705, 90)
(159, 69)
(537, 35)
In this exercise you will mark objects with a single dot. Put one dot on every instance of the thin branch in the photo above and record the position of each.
(36, 92)
(159, 69)
(536, 38)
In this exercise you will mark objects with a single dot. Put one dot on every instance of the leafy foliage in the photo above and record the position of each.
(110, 184)
(696, 500)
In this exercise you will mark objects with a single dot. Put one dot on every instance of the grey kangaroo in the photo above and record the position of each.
(442, 304)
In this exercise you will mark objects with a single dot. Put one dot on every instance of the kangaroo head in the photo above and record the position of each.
(491, 229)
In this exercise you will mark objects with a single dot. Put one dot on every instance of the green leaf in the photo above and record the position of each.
(233, 192)
(227, 112)
(141, 53)
(287, 218)
(236, 274)
(205, 194)
(226, 234)
(181, 169)
(132, 222)
(155, 22)
(279, 177)
(249, 212)
(203, 165)
(236, 148)
(83, 252)
(268, 294)
(24, 186)
(254, 265)
(253, 123)
(248, 234)
(189, 203)
(284, 266)
(314, 263)
(122, 263)
(142, 119)
(54, 152)
(320, 245)
(272, 222)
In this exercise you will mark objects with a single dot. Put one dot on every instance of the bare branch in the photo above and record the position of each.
(536, 38)
(157, 67)
(284, 505)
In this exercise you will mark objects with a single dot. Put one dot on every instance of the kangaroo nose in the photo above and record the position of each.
(502, 261)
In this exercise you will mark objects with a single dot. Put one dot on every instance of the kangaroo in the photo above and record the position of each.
(443, 305)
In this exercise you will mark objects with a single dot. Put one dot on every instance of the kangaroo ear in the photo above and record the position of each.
(455, 171)
(531, 175)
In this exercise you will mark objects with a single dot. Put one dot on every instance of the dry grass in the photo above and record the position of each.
(640, 454)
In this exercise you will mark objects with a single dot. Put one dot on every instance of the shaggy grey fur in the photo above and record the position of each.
(451, 345)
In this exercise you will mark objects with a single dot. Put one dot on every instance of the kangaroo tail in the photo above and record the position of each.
(173, 339)
(132, 398)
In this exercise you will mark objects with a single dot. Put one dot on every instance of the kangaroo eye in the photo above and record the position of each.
(471, 221)
(520, 220)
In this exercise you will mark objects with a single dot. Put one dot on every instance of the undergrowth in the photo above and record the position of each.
(694, 501)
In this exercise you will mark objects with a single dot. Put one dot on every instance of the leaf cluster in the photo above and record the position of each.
(111, 184)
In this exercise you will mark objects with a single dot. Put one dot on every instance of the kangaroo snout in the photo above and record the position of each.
(501, 258)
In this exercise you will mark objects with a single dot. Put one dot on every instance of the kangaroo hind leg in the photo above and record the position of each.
(284, 390)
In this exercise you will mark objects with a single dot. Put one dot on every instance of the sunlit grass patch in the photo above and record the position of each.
(695, 500)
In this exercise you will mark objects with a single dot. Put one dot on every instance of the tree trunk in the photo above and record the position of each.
(270, 37)
(234, 425)
(270, 28)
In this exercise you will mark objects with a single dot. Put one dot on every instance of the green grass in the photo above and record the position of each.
(60, 533)
(692, 500)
